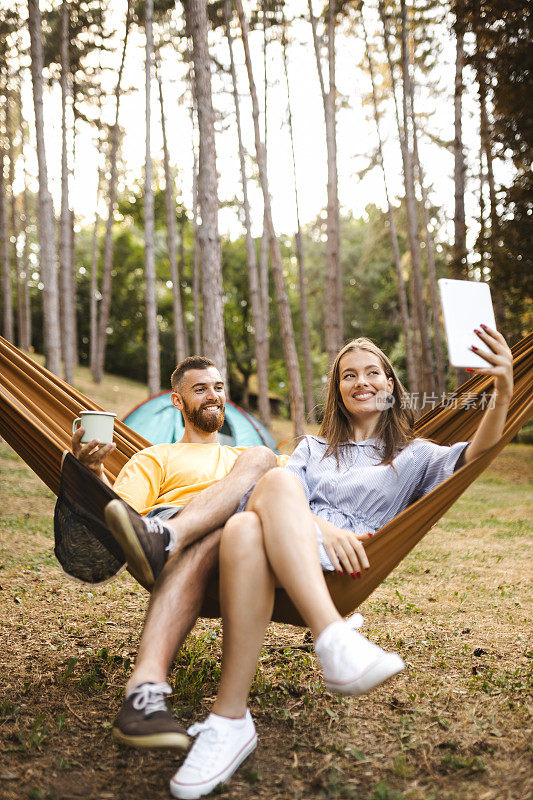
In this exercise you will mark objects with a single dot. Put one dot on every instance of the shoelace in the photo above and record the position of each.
(154, 525)
(150, 697)
(208, 744)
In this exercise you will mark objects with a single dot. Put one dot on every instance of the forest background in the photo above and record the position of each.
(364, 150)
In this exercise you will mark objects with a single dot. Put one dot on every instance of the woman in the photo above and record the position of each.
(337, 489)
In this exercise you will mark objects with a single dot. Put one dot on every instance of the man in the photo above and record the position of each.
(183, 494)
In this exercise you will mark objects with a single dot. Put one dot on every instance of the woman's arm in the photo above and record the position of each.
(500, 360)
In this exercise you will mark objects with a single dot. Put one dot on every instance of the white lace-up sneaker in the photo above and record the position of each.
(221, 746)
(350, 663)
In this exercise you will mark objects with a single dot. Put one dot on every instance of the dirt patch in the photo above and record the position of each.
(454, 725)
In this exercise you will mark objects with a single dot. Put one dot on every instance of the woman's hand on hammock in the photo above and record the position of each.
(344, 548)
(92, 454)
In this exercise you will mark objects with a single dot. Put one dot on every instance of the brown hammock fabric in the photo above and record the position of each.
(37, 410)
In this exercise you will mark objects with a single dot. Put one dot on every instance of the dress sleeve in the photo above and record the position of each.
(437, 462)
(297, 464)
(139, 481)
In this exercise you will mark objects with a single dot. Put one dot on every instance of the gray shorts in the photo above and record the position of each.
(165, 512)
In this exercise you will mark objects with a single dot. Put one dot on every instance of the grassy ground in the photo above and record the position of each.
(456, 725)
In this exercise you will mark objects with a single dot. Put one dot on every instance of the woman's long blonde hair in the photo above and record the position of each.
(395, 426)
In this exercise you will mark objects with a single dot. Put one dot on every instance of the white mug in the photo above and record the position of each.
(98, 425)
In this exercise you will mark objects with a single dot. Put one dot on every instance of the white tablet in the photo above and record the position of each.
(465, 306)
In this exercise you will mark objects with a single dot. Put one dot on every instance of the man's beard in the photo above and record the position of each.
(206, 421)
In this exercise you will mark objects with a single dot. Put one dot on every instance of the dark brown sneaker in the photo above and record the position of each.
(144, 541)
(145, 721)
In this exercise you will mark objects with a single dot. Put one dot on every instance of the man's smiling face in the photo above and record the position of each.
(203, 399)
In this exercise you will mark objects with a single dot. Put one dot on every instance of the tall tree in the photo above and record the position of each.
(52, 339)
(213, 311)
(26, 322)
(7, 293)
(260, 330)
(67, 302)
(11, 102)
(412, 226)
(430, 250)
(93, 302)
(152, 328)
(459, 264)
(333, 291)
(196, 260)
(402, 293)
(180, 333)
(263, 245)
(287, 331)
(302, 278)
(105, 304)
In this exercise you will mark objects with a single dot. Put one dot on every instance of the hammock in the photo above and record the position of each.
(37, 410)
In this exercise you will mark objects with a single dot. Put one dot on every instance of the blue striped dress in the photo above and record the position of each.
(360, 494)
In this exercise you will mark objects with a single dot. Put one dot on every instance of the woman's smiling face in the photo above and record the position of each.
(361, 377)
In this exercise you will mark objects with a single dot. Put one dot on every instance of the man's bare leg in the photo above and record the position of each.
(145, 541)
(212, 508)
(174, 606)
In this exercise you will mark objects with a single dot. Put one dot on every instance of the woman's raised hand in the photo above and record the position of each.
(344, 548)
(500, 361)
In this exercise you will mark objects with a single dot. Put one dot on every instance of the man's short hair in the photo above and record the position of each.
(191, 362)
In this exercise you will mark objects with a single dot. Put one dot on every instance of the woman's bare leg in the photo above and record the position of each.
(247, 600)
(291, 546)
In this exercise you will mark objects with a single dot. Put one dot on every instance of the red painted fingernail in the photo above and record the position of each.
(476, 331)
(352, 574)
(474, 347)
(367, 567)
(341, 572)
(469, 370)
(483, 326)
(358, 574)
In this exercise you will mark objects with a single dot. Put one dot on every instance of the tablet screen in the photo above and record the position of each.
(465, 306)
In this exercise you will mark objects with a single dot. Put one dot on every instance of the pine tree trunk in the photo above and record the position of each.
(430, 252)
(213, 309)
(52, 337)
(459, 264)
(260, 334)
(93, 302)
(105, 303)
(68, 311)
(264, 289)
(180, 333)
(333, 288)
(302, 278)
(402, 293)
(287, 332)
(152, 328)
(197, 265)
(26, 270)
(10, 139)
(7, 295)
(486, 144)
(412, 226)
(418, 318)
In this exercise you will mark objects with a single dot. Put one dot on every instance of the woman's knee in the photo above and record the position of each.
(242, 533)
(276, 484)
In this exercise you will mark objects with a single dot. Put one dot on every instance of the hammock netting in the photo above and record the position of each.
(37, 410)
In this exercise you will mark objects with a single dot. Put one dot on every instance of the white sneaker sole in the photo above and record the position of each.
(118, 521)
(189, 791)
(385, 667)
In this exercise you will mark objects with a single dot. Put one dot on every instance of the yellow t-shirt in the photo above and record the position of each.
(172, 474)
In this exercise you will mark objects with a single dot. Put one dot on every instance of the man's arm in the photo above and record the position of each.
(92, 454)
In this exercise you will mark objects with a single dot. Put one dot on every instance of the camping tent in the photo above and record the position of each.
(158, 421)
